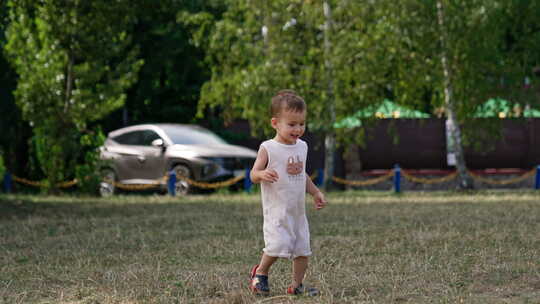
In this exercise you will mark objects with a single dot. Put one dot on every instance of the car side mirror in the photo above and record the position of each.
(158, 143)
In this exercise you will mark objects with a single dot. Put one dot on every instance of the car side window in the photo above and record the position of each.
(148, 136)
(131, 138)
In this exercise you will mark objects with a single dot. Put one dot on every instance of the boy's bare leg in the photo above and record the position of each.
(300, 265)
(265, 264)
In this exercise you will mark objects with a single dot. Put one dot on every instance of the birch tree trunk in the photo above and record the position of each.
(69, 81)
(329, 141)
(465, 182)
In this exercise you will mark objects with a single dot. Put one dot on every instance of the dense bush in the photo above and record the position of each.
(87, 173)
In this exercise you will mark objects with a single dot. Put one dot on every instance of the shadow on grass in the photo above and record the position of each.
(18, 208)
(219, 206)
(25, 206)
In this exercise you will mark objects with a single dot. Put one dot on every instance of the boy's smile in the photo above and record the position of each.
(290, 126)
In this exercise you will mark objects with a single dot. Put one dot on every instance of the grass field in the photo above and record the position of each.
(369, 247)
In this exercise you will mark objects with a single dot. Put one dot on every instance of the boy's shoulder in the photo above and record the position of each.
(266, 143)
(299, 142)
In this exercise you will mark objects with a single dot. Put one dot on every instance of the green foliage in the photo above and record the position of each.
(56, 151)
(489, 52)
(378, 49)
(257, 49)
(73, 63)
(10, 122)
(168, 86)
(234, 47)
(88, 173)
(74, 59)
(521, 82)
(485, 47)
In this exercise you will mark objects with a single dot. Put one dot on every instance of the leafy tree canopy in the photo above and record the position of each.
(258, 48)
(74, 59)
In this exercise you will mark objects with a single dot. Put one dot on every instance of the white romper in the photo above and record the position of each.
(286, 229)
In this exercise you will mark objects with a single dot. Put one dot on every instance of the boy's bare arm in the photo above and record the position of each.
(259, 172)
(318, 196)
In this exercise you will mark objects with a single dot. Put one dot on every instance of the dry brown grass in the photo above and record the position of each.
(370, 247)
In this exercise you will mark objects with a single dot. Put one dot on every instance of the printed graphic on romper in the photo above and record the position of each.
(295, 168)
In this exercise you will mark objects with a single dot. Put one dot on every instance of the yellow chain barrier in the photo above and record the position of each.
(67, 184)
(422, 180)
(236, 179)
(516, 179)
(364, 182)
(204, 185)
(27, 182)
(164, 179)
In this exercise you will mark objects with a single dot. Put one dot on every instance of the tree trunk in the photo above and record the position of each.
(465, 181)
(329, 141)
(69, 81)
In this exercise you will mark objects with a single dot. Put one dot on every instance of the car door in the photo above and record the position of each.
(129, 158)
(153, 164)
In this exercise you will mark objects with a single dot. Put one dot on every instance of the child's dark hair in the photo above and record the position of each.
(286, 100)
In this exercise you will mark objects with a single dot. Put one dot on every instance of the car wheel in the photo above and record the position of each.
(182, 187)
(106, 187)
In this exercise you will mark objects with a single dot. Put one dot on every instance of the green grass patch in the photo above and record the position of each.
(369, 247)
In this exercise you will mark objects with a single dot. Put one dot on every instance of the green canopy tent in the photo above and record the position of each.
(385, 109)
(501, 108)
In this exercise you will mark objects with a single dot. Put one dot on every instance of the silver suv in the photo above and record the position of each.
(144, 154)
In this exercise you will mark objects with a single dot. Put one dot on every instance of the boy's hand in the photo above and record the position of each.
(269, 175)
(319, 200)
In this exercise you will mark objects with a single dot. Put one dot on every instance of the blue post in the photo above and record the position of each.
(537, 184)
(171, 183)
(397, 178)
(320, 177)
(247, 181)
(7, 182)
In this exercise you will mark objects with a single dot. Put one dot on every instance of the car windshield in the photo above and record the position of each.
(192, 136)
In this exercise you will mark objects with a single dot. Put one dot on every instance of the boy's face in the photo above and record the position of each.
(289, 125)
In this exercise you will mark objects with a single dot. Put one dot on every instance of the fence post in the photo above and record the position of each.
(171, 183)
(320, 177)
(247, 181)
(537, 184)
(397, 178)
(7, 182)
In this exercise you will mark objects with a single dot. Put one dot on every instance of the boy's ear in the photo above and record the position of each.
(273, 122)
